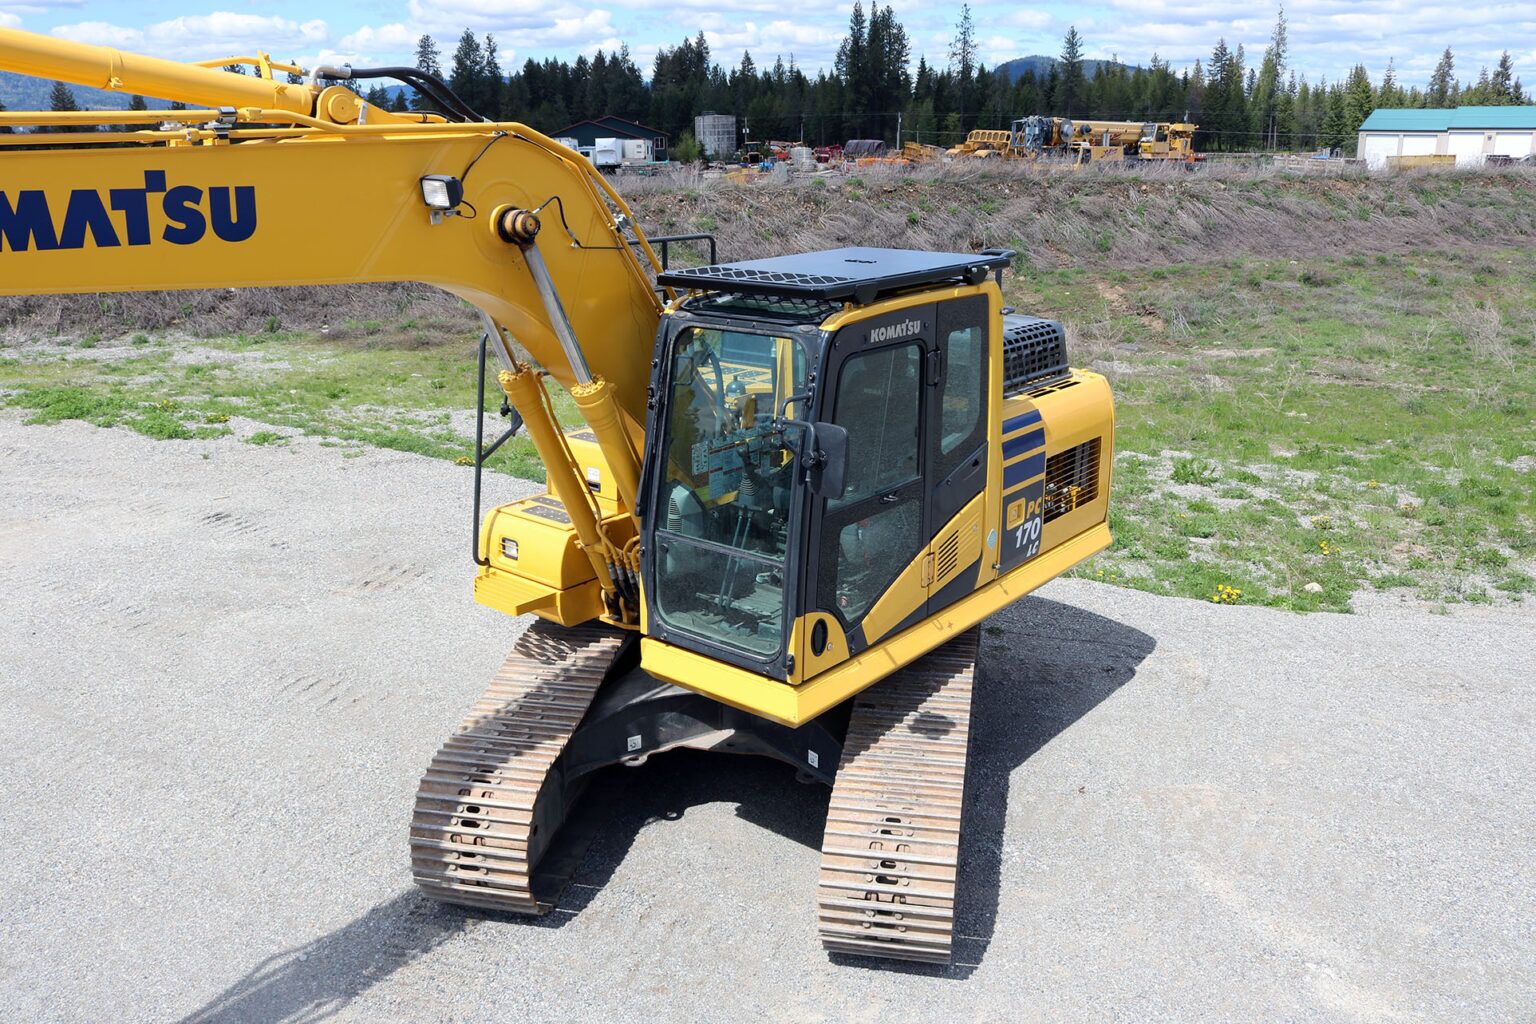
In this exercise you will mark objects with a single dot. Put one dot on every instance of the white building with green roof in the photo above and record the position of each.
(1470, 134)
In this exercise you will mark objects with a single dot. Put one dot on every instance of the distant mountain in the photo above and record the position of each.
(20, 92)
(1040, 67)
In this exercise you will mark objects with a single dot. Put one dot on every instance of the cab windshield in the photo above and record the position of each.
(723, 515)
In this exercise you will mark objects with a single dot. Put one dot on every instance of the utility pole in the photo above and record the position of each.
(898, 131)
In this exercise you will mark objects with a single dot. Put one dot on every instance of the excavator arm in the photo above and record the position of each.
(279, 183)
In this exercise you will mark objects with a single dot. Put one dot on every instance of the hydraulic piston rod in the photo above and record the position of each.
(593, 395)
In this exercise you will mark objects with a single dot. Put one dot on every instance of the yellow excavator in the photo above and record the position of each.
(800, 485)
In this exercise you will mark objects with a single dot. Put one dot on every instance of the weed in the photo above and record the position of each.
(266, 437)
(1195, 471)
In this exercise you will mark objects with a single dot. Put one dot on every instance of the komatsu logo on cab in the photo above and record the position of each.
(890, 332)
(182, 216)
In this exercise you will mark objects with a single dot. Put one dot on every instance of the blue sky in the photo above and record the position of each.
(1327, 36)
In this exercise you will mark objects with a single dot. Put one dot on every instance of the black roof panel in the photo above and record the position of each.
(857, 274)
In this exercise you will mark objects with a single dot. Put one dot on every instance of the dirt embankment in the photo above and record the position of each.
(1105, 220)
(1110, 220)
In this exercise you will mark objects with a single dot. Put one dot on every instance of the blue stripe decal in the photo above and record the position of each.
(1022, 488)
(1023, 443)
(1023, 470)
(1021, 421)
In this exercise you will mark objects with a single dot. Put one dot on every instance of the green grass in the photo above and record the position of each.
(1295, 434)
(386, 397)
(1350, 424)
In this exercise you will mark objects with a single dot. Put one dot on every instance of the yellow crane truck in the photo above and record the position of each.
(800, 485)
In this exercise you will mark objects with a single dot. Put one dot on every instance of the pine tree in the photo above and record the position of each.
(962, 59)
(1268, 85)
(1071, 85)
(1390, 95)
(61, 99)
(1359, 101)
(428, 59)
(1501, 85)
(1443, 81)
(491, 81)
(137, 103)
(1336, 133)
(467, 79)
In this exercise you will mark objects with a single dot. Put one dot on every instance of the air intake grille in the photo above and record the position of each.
(1033, 350)
(1071, 479)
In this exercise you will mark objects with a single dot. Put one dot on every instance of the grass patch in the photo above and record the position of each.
(1344, 427)
(378, 389)
(1288, 433)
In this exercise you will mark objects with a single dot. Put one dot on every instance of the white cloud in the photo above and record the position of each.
(9, 20)
(203, 37)
(812, 45)
(1028, 17)
(394, 38)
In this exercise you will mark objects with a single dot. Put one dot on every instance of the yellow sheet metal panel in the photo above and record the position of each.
(514, 595)
(808, 662)
(535, 538)
(953, 550)
(908, 591)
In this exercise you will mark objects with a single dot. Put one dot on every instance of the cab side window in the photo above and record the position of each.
(875, 528)
(963, 398)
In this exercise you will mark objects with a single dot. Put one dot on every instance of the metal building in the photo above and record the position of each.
(1470, 134)
(716, 134)
(586, 133)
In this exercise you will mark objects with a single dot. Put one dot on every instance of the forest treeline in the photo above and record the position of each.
(873, 90)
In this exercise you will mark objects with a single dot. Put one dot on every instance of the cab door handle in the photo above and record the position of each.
(889, 499)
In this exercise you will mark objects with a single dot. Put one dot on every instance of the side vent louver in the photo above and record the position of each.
(948, 553)
(1071, 479)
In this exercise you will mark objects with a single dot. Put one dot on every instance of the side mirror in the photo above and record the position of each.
(829, 461)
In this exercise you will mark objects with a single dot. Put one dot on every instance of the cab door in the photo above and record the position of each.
(867, 546)
(956, 436)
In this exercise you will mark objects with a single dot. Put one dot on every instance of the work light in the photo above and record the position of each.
(442, 191)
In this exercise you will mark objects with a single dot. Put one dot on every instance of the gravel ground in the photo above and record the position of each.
(225, 665)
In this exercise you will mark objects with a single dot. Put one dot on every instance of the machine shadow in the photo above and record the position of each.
(1043, 665)
(315, 981)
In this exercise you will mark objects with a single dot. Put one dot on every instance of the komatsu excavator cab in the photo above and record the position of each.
(826, 429)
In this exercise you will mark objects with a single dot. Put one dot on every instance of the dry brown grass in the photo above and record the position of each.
(409, 314)
(1107, 217)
